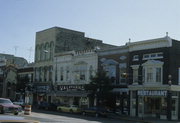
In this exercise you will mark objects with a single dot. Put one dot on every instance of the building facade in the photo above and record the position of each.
(115, 62)
(8, 74)
(24, 88)
(154, 75)
(50, 42)
(72, 70)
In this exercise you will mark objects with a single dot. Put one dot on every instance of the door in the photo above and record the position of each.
(174, 111)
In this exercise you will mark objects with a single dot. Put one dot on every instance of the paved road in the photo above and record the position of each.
(54, 117)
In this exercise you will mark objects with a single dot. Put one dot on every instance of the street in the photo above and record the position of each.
(56, 117)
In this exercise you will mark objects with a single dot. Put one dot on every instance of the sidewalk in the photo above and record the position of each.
(145, 120)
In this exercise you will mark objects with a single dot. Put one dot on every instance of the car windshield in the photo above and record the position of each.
(5, 101)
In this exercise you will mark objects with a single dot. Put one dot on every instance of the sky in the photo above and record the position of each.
(112, 21)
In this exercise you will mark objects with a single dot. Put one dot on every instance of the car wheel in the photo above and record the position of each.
(97, 115)
(84, 113)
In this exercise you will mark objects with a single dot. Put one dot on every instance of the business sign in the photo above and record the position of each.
(152, 93)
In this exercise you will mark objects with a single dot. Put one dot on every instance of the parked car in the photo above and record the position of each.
(43, 105)
(21, 103)
(96, 111)
(53, 106)
(71, 109)
(7, 106)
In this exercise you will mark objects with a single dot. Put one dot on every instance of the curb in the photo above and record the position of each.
(131, 119)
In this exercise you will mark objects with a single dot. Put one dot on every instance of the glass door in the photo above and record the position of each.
(174, 111)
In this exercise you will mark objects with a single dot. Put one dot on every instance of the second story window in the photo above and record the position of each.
(152, 72)
(136, 58)
(135, 69)
(153, 56)
(61, 74)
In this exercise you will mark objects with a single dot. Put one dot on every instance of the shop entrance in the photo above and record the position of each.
(152, 106)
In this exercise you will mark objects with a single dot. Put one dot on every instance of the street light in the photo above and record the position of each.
(169, 98)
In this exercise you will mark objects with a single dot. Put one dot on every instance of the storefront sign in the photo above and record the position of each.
(152, 93)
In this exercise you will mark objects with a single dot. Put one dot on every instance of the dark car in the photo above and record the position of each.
(96, 111)
(53, 106)
(7, 106)
(43, 105)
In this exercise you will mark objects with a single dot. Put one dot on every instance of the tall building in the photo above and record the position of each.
(50, 42)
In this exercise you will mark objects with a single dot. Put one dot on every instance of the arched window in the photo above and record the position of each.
(50, 73)
(110, 66)
(45, 74)
(42, 52)
(46, 51)
(39, 53)
(90, 71)
(51, 50)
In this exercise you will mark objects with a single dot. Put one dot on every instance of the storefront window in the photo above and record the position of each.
(164, 106)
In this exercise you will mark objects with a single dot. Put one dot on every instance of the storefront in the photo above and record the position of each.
(122, 100)
(70, 97)
(161, 103)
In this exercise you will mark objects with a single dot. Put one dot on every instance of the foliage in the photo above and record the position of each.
(100, 85)
(21, 84)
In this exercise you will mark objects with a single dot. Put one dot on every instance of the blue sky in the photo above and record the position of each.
(113, 21)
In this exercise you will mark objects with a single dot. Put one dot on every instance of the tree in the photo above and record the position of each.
(99, 87)
(21, 85)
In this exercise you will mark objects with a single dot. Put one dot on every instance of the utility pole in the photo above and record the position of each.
(30, 50)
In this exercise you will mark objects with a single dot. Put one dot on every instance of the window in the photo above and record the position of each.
(152, 71)
(122, 69)
(67, 74)
(153, 56)
(149, 74)
(135, 58)
(146, 56)
(111, 72)
(135, 73)
(160, 55)
(61, 73)
(91, 71)
(158, 74)
(109, 66)
(135, 76)
(80, 71)
(50, 73)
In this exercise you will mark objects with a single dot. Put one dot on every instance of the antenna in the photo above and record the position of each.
(15, 50)
(30, 50)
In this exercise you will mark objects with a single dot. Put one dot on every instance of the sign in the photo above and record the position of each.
(152, 93)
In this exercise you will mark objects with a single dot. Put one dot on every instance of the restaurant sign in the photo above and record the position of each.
(152, 93)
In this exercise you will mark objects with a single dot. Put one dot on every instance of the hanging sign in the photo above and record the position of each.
(152, 93)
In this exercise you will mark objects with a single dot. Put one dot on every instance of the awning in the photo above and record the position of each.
(120, 90)
(69, 93)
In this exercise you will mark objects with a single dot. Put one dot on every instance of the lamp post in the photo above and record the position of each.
(169, 98)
